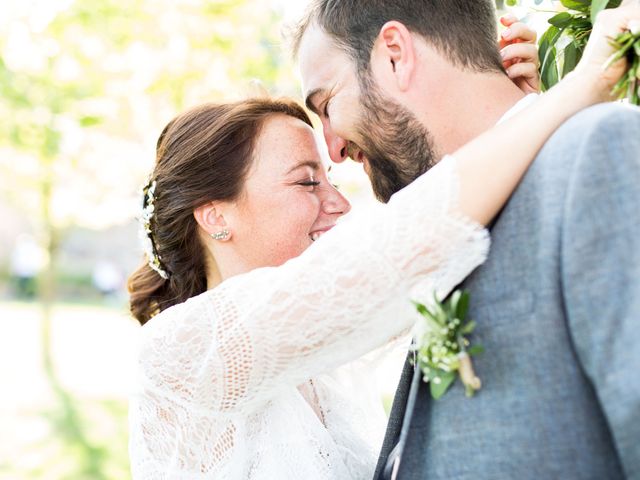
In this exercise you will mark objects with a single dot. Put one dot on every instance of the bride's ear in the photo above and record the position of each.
(393, 58)
(211, 220)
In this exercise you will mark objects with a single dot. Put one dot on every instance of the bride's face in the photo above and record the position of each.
(288, 201)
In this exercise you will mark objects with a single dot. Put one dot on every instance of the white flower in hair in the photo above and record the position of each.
(146, 235)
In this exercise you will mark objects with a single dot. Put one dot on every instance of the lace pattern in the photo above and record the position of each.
(218, 394)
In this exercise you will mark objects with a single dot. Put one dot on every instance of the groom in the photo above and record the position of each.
(397, 84)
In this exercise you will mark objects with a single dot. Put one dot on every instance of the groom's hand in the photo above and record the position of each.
(519, 53)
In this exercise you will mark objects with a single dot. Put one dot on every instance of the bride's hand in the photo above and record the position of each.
(520, 54)
(599, 50)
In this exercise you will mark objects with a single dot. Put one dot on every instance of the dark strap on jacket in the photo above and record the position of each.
(392, 465)
(399, 421)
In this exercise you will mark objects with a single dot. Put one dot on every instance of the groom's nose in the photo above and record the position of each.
(337, 146)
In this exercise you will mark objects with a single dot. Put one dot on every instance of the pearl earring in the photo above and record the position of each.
(222, 236)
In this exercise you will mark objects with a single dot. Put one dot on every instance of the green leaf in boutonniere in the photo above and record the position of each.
(443, 351)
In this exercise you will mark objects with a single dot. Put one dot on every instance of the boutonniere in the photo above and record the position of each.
(443, 350)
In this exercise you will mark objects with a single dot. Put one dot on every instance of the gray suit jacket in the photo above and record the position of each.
(558, 311)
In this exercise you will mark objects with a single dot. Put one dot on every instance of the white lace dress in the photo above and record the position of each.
(253, 379)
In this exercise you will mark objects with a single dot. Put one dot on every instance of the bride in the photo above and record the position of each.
(253, 298)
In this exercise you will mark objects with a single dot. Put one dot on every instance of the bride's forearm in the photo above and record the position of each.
(491, 165)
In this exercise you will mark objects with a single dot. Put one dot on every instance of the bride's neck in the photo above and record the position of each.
(214, 277)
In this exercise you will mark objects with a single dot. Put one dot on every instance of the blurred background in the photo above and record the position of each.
(85, 88)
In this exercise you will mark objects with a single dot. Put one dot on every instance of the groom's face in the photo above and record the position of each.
(359, 120)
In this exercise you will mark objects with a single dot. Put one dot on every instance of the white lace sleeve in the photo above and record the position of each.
(233, 347)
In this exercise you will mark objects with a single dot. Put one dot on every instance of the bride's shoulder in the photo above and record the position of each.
(170, 343)
(182, 316)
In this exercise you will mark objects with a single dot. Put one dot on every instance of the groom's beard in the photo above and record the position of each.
(398, 147)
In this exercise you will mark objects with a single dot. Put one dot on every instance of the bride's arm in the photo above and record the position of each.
(491, 165)
(234, 347)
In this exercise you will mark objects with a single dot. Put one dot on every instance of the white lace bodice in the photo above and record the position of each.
(253, 379)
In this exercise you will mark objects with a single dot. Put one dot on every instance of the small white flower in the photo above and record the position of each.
(153, 259)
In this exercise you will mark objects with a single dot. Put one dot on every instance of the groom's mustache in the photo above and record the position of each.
(355, 153)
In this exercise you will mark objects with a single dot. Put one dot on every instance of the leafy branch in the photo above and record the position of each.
(562, 45)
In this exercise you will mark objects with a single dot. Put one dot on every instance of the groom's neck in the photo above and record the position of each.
(468, 105)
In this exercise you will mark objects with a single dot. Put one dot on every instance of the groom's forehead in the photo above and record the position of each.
(321, 61)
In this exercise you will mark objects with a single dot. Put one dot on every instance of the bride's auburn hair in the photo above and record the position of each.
(203, 155)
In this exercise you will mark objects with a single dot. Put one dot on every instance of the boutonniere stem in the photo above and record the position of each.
(467, 374)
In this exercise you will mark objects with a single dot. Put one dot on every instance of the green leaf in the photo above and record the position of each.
(438, 313)
(468, 328)
(548, 40)
(549, 70)
(546, 53)
(425, 311)
(580, 24)
(428, 316)
(428, 372)
(561, 20)
(454, 300)
(475, 350)
(570, 58)
(90, 121)
(582, 6)
(439, 389)
(463, 306)
(421, 308)
(596, 7)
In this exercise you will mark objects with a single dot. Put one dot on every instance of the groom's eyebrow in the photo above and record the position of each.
(309, 100)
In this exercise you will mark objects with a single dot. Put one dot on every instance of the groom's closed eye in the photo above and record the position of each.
(311, 98)
(325, 108)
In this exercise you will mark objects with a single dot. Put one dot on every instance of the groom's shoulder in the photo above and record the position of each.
(604, 136)
(605, 121)
(596, 132)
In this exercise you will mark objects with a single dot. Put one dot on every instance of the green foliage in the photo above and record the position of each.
(555, 60)
(582, 6)
(562, 45)
(628, 86)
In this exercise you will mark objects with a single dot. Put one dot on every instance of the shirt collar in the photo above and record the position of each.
(520, 105)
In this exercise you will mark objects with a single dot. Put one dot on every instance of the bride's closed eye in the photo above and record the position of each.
(309, 183)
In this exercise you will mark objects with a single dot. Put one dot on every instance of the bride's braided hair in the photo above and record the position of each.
(203, 155)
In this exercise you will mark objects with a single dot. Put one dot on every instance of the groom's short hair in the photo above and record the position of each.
(463, 30)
